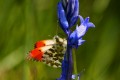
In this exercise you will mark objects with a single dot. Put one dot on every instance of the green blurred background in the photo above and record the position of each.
(23, 22)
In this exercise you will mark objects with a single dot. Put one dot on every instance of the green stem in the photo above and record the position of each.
(74, 62)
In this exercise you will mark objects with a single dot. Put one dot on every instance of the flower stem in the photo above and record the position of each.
(74, 64)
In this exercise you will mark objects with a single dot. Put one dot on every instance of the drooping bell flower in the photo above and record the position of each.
(68, 14)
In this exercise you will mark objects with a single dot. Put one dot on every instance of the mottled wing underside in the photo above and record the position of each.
(50, 52)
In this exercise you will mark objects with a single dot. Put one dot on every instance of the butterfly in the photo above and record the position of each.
(49, 51)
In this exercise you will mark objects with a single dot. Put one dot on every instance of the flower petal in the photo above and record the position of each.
(74, 39)
(86, 20)
(73, 21)
(81, 30)
(81, 19)
(85, 24)
(75, 13)
(70, 8)
(80, 41)
(64, 2)
(76, 8)
(90, 24)
(62, 18)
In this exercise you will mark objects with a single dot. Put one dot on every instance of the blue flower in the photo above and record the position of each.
(68, 11)
(62, 18)
(73, 12)
(76, 36)
(68, 14)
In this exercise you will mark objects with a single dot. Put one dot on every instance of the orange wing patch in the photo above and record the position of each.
(44, 43)
(50, 52)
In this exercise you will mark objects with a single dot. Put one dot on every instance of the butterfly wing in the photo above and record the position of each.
(43, 43)
(37, 53)
(50, 52)
(54, 56)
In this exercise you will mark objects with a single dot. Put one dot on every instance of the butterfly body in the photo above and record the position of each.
(50, 52)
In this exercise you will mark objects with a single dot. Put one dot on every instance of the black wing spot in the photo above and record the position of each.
(48, 61)
(50, 55)
(45, 53)
(58, 55)
(52, 50)
(60, 60)
(40, 50)
(56, 58)
(57, 64)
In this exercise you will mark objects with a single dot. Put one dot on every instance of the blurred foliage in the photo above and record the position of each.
(23, 22)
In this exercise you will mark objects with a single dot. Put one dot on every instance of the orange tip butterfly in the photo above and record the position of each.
(50, 51)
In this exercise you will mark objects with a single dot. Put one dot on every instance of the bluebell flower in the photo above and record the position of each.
(68, 14)
(76, 35)
(62, 18)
